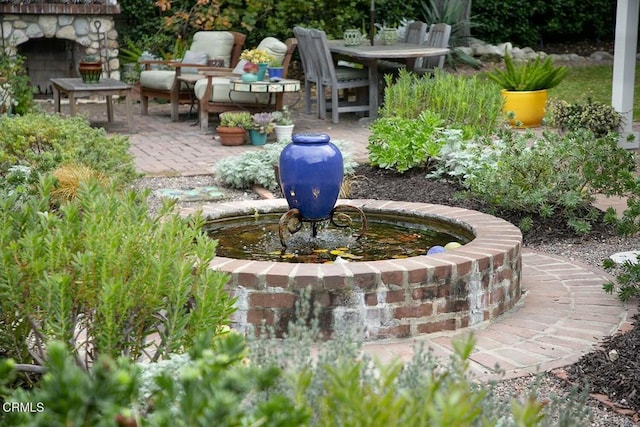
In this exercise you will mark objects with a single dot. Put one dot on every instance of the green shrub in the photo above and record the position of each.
(555, 175)
(44, 142)
(401, 144)
(102, 275)
(17, 94)
(283, 382)
(463, 102)
(599, 118)
(627, 282)
(257, 167)
(210, 388)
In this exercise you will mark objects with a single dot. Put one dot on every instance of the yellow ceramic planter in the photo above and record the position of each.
(524, 109)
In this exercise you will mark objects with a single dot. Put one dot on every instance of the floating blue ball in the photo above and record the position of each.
(435, 250)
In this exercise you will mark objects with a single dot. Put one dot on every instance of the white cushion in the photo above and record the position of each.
(193, 57)
(157, 79)
(239, 69)
(217, 44)
(220, 93)
(274, 46)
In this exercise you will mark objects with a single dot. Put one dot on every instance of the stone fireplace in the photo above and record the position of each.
(54, 37)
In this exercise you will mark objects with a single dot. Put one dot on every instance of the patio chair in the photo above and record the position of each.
(416, 33)
(306, 57)
(165, 83)
(213, 91)
(438, 36)
(305, 49)
(337, 80)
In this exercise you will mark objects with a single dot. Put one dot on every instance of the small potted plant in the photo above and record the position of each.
(259, 57)
(275, 69)
(232, 128)
(524, 88)
(261, 126)
(90, 69)
(283, 124)
(250, 72)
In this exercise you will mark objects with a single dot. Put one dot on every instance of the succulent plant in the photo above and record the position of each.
(262, 122)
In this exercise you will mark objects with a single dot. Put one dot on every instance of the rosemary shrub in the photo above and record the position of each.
(103, 276)
(463, 102)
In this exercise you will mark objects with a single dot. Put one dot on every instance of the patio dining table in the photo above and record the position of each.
(371, 54)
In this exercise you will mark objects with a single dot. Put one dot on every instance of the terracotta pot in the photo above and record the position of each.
(90, 71)
(527, 107)
(231, 136)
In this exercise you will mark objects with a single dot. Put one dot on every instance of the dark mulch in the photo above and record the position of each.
(412, 186)
(619, 379)
(613, 370)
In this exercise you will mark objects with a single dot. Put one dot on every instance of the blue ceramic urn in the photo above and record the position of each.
(311, 172)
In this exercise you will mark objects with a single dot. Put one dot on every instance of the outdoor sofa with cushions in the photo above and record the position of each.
(213, 92)
(205, 47)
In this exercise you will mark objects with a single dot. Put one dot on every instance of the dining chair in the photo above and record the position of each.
(305, 49)
(337, 80)
(438, 36)
(416, 33)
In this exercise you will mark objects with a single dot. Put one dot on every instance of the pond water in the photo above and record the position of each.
(386, 237)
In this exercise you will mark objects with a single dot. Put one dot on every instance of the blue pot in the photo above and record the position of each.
(275, 72)
(262, 69)
(311, 172)
(257, 138)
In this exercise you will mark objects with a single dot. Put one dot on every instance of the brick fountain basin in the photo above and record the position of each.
(394, 298)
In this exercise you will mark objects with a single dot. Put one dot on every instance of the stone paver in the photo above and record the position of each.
(563, 314)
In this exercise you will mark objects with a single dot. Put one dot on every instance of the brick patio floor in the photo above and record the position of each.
(563, 314)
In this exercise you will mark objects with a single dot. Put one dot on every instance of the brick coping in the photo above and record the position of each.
(389, 298)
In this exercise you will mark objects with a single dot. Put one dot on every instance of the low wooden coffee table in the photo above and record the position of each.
(108, 87)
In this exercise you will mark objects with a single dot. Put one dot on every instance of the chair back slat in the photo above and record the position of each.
(438, 36)
(322, 55)
(305, 49)
(416, 34)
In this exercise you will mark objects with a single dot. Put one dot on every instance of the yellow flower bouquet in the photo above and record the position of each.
(256, 56)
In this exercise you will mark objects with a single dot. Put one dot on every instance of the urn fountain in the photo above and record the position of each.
(311, 171)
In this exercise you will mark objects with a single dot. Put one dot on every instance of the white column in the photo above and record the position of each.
(624, 68)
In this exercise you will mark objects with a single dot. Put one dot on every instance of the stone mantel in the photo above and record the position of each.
(59, 9)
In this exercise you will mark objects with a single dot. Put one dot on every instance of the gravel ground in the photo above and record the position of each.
(591, 251)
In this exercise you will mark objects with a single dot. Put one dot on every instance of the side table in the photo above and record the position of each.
(190, 80)
(108, 87)
(279, 88)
